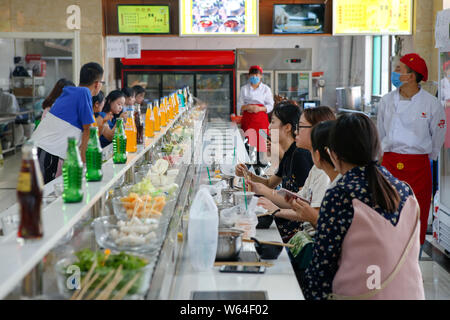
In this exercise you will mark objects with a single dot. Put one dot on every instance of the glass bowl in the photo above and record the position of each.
(124, 210)
(65, 278)
(133, 235)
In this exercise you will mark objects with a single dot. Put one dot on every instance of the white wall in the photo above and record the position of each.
(330, 54)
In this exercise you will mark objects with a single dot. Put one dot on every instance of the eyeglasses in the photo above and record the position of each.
(298, 127)
(102, 82)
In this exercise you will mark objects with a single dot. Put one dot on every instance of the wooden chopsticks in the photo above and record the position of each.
(271, 243)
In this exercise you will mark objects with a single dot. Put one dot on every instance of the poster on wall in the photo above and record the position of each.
(218, 18)
(372, 17)
(153, 19)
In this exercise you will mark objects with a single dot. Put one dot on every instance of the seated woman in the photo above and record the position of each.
(315, 185)
(368, 211)
(112, 110)
(98, 102)
(295, 164)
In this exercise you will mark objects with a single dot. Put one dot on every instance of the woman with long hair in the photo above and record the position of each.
(54, 94)
(368, 227)
(114, 104)
(288, 221)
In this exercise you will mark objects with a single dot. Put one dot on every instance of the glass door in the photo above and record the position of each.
(215, 89)
(293, 85)
(174, 81)
(444, 97)
(151, 82)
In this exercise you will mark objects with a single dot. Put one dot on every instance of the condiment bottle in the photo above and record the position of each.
(30, 188)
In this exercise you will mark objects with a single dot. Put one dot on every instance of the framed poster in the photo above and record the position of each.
(218, 18)
(372, 17)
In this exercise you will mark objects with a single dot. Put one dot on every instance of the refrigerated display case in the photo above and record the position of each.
(441, 224)
(209, 75)
(293, 85)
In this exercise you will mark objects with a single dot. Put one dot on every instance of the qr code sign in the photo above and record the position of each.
(132, 48)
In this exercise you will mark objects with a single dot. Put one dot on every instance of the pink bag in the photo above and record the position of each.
(375, 249)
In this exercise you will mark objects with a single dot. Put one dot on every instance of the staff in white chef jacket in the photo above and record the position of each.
(411, 124)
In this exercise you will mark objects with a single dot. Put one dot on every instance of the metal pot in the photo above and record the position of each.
(229, 244)
(228, 196)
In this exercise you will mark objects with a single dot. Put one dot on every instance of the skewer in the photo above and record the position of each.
(86, 278)
(126, 288)
(101, 284)
(87, 286)
(103, 295)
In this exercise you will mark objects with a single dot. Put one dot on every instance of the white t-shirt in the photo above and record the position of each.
(315, 186)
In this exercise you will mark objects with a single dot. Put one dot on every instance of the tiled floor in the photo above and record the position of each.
(436, 278)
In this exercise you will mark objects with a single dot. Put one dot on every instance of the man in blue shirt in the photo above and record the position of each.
(70, 116)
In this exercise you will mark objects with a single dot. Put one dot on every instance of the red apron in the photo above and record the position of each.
(251, 124)
(415, 169)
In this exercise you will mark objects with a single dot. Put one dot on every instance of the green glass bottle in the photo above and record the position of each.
(94, 157)
(120, 143)
(72, 173)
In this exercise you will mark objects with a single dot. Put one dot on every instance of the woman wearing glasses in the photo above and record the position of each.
(289, 222)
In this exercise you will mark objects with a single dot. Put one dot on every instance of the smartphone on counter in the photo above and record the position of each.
(242, 269)
(289, 195)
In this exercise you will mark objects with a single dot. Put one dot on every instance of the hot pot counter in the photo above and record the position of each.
(38, 270)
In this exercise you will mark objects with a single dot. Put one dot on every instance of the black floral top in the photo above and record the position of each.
(335, 218)
(293, 170)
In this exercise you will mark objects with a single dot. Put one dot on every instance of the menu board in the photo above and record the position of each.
(143, 19)
(214, 17)
(372, 17)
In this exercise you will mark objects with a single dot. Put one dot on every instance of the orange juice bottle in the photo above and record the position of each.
(149, 122)
(163, 111)
(156, 115)
(177, 102)
(131, 133)
(170, 103)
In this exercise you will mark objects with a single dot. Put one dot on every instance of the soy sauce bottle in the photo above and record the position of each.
(30, 188)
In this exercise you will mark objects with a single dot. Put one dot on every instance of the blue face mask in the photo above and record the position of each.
(395, 78)
(254, 80)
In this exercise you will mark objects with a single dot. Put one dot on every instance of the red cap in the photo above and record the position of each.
(257, 68)
(416, 63)
(446, 65)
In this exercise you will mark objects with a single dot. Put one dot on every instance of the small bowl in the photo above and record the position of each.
(264, 222)
(267, 251)
(105, 227)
